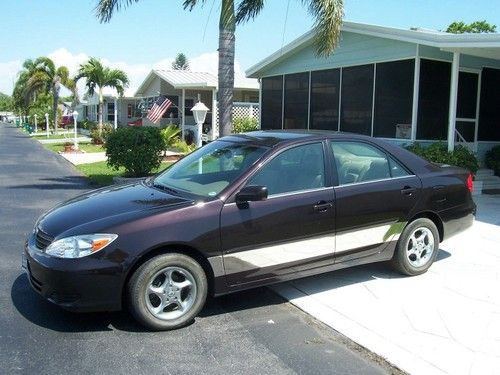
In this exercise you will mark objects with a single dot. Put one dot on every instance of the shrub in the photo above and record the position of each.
(87, 125)
(138, 150)
(438, 152)
(182, 146)
(245, 124)
(170, 134)
(492, 159)
(99, 139)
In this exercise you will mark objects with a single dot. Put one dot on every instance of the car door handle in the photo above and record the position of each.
(407, 190)
(322, 206)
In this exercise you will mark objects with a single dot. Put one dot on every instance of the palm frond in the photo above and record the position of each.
(105, 9)
(328, 16)
(190, 4)
(248, 9)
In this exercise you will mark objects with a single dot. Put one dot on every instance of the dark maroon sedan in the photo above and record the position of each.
(244, 211)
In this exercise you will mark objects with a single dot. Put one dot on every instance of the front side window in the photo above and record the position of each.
(208, 170)
(297, 169)
(359, 162)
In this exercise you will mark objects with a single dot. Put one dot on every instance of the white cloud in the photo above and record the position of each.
(206, 62)
(8, 75)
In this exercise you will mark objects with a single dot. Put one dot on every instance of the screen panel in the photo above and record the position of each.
(357, 99)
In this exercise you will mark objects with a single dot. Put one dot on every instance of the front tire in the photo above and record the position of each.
(167, 292)
(417, 247)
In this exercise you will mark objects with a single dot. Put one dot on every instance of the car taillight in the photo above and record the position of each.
(470, 183)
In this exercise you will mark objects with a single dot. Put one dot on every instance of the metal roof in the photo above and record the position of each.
(185, 79)
(482, 45)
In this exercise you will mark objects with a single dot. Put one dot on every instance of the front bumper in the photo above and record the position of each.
(84, 284)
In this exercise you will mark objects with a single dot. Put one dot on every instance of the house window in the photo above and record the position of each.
(489, 109)
(130, 109)
(296, 101)
(433, 99)
(188, 104)
(111, 111)
(173, 109)
(393, 99)
(272, 98)
(325, 85)
(357, 99)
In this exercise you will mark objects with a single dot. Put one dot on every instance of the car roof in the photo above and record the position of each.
(272, 138)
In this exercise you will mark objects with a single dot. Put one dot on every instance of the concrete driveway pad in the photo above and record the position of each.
(446, 321)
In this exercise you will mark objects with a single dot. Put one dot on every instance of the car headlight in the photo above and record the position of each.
(79, 246)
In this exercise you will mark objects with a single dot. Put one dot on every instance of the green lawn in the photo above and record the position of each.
(87, 147)
(101, 174)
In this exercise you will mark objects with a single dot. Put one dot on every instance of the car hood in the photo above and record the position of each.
(112, 203)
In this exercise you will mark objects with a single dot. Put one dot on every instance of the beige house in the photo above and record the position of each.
(185, 88)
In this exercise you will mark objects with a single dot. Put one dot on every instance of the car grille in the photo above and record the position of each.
(42, 239)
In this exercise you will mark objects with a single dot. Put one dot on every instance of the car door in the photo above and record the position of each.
(374, 196)
(290, 231)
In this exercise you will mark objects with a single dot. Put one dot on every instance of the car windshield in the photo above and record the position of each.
(208, 170)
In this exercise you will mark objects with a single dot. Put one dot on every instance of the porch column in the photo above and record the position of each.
(215, 132)
(452, 116)
(416, 87)
(183, 120)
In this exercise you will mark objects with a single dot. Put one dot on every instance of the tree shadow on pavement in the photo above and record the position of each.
(64, 183)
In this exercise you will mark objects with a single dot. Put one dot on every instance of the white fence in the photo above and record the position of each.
(240, 110)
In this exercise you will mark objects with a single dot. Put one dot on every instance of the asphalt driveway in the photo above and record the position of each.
(446, 321)
(252, 332)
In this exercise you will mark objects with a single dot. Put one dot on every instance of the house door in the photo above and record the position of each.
(467, 102)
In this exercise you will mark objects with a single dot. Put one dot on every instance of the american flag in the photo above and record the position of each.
(158, 109)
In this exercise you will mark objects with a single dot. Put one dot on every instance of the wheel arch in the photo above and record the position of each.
(171, 248)
(434, 217)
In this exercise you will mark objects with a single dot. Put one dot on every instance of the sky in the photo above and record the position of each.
(149, 34)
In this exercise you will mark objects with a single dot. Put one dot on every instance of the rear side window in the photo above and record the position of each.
(297, 169)
(360, 162)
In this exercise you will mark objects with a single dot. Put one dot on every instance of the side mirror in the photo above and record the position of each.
(251, 194)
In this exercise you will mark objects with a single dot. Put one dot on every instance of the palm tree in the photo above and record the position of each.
(41, 75)
(328, 19)
(99, 76)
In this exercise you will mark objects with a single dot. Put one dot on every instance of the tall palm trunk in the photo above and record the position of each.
(226, 66)
(56, 86)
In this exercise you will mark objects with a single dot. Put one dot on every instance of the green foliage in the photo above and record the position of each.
(492, 159)
(245, 124)
(40, 107)
(170, 134)
(138, 150)
(6, 103)
(438, 152)
(477, 27)
(100, 137)
(181, 146)
(87, 125)
(181, 62)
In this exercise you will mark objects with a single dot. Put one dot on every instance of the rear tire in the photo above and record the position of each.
(417, 248)
(167, 292)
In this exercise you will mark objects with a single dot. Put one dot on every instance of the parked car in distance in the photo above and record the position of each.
(244, 211)
(66, 120)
